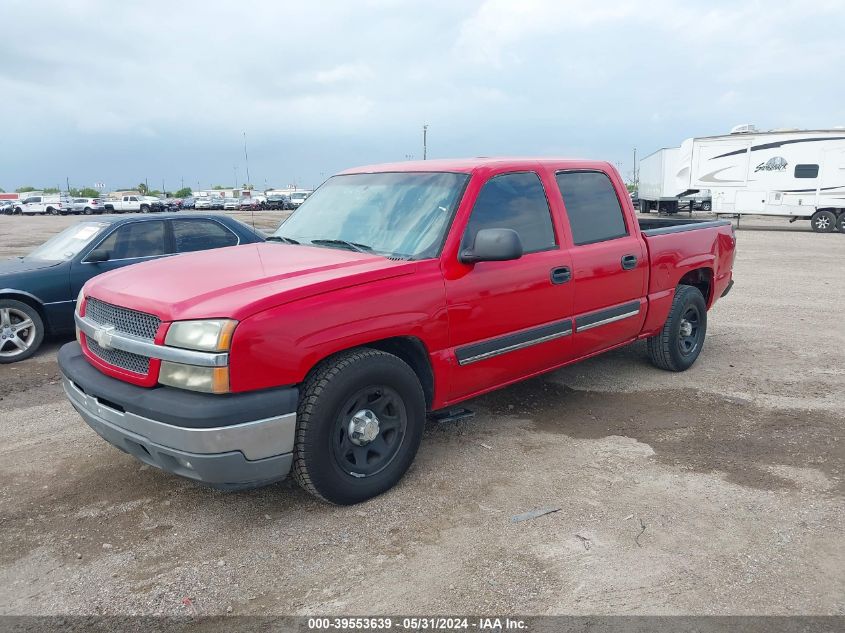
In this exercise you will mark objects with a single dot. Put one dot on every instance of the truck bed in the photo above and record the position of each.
(662, 226)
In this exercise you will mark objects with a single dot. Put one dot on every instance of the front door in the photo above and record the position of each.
(127, 244)
(510, 319)
(609, 263)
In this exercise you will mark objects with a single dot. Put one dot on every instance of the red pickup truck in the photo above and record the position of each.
(394, 291)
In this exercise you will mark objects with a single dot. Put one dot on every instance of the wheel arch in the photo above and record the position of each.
(31, 300)
(409, 349)
(701, 278)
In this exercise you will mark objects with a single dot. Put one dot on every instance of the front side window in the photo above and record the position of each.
(806, 171)
(594, 212)
(200, 235)
(138, 239)
(395, 214)
(514, 201)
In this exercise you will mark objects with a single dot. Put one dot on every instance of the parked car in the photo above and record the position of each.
(188, 203)
(202, 203)
(45, 204)
(396, 291)
(231, 204)
(87, 206)
(173, 204)
(38, 290)
(133, 203)
(250, 204)
(298, 197)
(7, 207)
(278, 202)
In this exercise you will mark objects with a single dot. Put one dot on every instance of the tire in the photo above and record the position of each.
(706, 206)
(88, 211)
(327, 461)
(681, 340)
(14, 313)
(823, 221)
(840, 222)
(145, 208)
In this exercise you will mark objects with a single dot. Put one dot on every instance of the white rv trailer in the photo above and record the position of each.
(798, 174)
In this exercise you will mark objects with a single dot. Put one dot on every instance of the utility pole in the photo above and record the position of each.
(636, 175)
(246, 159)
(425, 141)
(235, 168)
(67, 182)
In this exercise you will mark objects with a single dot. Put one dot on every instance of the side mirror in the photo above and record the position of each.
(99, 255)
(493, 245)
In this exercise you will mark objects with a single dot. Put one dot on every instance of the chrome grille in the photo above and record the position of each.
(119, 358)
(123, 319)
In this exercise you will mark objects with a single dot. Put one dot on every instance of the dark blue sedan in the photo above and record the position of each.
(38, 292)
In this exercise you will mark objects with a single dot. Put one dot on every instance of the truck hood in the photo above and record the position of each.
(239, 281)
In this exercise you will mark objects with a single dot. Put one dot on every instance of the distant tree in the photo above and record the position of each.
(219, 187)
(142, 188)
(51, 190)
(184, 192)
(88, 192)
(25, 189)
(155, 193)
(248, 187)
(2, 190)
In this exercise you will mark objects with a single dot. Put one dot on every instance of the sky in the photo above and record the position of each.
(122, 92)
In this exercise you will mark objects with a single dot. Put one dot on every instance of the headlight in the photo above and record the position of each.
(206, 379)
(204, 336)
(79, 299)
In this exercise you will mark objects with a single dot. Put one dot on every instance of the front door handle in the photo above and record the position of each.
(629, 262)
(561, 275)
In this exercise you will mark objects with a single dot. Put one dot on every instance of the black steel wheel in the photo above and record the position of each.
(359, 422)
(678, 344)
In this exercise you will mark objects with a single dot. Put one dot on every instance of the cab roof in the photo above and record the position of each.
(470, 165)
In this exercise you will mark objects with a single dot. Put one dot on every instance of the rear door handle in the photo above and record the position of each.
(561, 275)
(629, 262)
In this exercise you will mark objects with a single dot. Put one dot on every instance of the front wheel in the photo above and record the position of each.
(21, 331)
(359, 424)
(679, 343)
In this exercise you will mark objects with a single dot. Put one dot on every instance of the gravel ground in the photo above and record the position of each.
(715, 491)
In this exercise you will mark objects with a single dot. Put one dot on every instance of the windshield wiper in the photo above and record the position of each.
(282, 238)
(352, 246)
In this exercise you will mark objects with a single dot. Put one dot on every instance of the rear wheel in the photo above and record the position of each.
(706, 206)
(823, 221)
(21, 331)
(359, 424)
(679, 343)
(840, 222)
(88, 211)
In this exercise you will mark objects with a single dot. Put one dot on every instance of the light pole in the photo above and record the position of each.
(425, 141)
(246, 160)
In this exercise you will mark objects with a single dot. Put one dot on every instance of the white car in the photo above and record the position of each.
(298, 197)
(49, 204)
(202, 203)
(87, 206)
(231, 204)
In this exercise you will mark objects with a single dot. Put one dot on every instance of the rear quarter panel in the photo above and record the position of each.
(673, 255)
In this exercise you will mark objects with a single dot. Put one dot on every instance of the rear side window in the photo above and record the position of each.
(138, 239)
(806, 171)
(518, 202)
(199, 235)
(595, 214)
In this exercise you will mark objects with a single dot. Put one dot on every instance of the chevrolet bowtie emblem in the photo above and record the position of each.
(103, 336)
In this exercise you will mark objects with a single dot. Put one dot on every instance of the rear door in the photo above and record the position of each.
(513, 318)
(199, 234)
(609, 262)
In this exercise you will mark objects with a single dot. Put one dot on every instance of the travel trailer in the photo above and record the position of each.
(799, 174)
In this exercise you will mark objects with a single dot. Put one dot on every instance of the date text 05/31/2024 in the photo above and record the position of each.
(415, 624)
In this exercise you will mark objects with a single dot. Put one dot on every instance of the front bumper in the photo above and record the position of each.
(233, 441)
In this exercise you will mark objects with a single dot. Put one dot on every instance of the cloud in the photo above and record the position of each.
(113, 90)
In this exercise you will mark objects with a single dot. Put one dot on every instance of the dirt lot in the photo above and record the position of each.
(715, 491)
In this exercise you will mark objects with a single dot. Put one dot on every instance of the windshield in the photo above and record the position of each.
(68, 243)
(399, 214)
